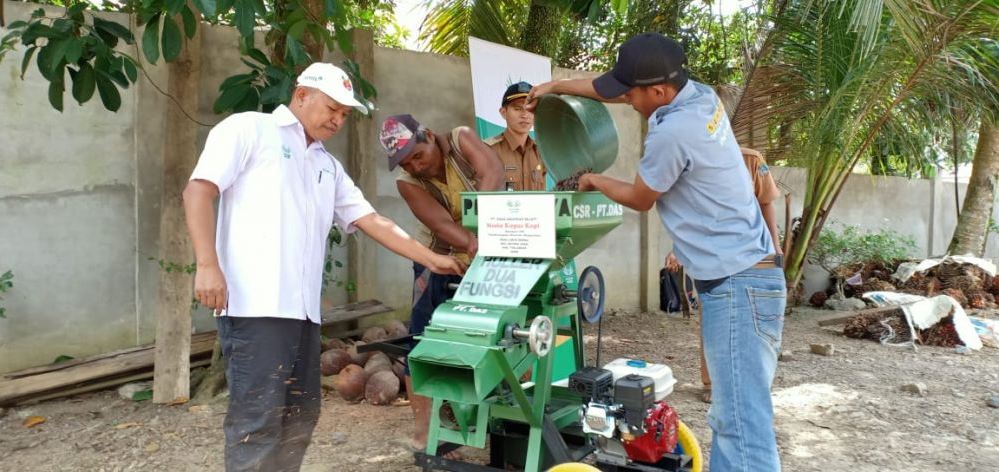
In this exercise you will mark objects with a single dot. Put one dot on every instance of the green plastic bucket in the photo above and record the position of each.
(574, 133)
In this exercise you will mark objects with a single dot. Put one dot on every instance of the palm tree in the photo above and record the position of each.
(841, 74)
(531, 25)
(973, 224)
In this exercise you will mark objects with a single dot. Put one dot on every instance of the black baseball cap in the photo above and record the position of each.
(646, 59)
(516, 91)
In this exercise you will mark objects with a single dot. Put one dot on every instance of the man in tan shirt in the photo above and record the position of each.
(521, 162)
(766, 191)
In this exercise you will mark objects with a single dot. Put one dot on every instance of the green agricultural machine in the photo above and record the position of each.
(503, 361)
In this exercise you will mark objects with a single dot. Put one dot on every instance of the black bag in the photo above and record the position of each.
(670, 295)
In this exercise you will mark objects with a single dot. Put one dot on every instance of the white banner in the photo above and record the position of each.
(494, 68)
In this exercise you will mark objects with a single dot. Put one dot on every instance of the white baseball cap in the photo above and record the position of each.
(332, 81)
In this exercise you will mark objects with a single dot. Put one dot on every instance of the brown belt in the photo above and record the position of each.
(770, 262)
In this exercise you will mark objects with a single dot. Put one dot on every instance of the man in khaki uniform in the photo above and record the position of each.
(522, 164)
(766, 191)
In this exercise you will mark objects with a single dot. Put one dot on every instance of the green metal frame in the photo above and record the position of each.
(464, 358)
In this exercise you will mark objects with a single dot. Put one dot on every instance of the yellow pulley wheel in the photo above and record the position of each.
(688, 442)
(574, 467)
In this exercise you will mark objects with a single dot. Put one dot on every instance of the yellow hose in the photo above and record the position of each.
(574, 467)
(690, 446)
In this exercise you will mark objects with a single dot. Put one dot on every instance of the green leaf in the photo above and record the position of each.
(174, 6)
(27, 60)
(76, 11)
(343, 41)
(230, 97)
(172, 42)
(331, 7)
(62, 358)
(38, 13)
(84, 83)
(130, 69)
(273, 94)
(142, 395)
(259, 56)
(37, 30)
(119, 78)
(223, 6)
(296, 30)
(17, 24)
(245, 17)
(58, 53)
(74, 51)
(207, 7)
(108, 92)
(114, 28)
(150, 45)
(190, 22)
(250, 102)
(64, 26)
(294, 52)
(56, 89)
(48, 65)
(238, 79)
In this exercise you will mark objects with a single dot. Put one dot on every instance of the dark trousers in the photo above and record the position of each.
(429, 291)
(274, 391)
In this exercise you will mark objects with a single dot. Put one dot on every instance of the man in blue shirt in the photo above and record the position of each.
(693, 172)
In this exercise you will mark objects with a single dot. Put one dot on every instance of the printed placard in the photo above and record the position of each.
(517, 225)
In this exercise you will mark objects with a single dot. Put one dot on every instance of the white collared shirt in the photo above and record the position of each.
(279, 200)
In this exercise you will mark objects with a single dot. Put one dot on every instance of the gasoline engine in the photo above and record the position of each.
(625, 413)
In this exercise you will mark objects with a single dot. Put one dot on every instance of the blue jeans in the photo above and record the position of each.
(742, 322)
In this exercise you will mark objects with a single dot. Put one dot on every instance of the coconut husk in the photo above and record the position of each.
(941, 334)
(333, 361)
(956, 294)
(377, 363)
(873, 326)
(818, 299)
(374, 334)
(964, 283)
(979, 299)
(382, 388)
(395, 329)
(350, 383)
(877, 285)
(358, 358)
(994, 286)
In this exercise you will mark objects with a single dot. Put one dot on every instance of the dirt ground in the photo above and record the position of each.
(842, 412)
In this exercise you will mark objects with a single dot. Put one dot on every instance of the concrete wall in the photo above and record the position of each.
(80, 200)
(923, 209)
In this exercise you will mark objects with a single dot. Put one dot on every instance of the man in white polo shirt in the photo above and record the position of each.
(260, 268)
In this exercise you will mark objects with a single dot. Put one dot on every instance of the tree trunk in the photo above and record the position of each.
(542, 31)
(973, 223)
(213, 382)
(171, 373)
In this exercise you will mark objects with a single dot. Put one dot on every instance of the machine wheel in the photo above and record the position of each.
(687, 444)
(590, 293)
(541, 336)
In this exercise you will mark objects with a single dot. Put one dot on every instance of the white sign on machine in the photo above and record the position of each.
(517, 225)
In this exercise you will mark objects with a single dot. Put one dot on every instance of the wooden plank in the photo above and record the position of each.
(197, 339)
(91, 369)
(353, 311)
(842, 319)
(101, 385)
